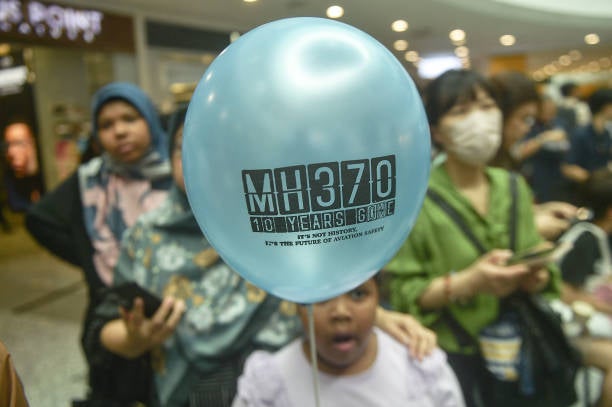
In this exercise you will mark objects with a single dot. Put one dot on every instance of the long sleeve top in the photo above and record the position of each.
(437, 246)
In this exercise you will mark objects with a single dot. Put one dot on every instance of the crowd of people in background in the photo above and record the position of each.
(514, 169)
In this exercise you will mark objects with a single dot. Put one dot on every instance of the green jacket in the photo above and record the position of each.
(436, 246)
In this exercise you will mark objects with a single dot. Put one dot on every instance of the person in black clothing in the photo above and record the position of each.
(82, 221)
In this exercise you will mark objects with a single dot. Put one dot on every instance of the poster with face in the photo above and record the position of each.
(20, 150)
(23, 178)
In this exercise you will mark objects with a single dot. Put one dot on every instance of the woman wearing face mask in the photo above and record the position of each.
(438, 269)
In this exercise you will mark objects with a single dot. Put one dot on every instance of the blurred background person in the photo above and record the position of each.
(591, 145)
(23, 178)
(518, 99)
(572, 110)
(541, 153)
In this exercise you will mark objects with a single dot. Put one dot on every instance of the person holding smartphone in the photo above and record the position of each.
(450, 275)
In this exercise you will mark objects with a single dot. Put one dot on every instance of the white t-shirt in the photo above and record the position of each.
(395, 379)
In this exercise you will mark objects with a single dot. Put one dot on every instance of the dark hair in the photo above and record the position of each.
(597, 192)
(175, 121)
(567, 88)
(513, 89)
(599, 99)
(452, 87)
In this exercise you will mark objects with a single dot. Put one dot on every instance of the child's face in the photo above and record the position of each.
(343, 330)
(123, 132)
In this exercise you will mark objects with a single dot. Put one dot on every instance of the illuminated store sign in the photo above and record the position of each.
(36, 21)
(50, 20)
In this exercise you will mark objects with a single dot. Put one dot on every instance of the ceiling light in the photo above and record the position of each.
(549, 69)
(399, 26)
(457, 35)
(507, 40)
(400, 45)
(605, 62)
(411, 56)
(538, 76)
(335, 12)
(249, 1)
(462, 51)
(575, 54)
(234, 35)
(594, 66)
(565, 60)
(433, 67)
(591, 39)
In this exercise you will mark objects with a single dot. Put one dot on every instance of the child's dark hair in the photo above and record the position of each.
(452, 87)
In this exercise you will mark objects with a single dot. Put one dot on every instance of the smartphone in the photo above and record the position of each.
(532, 256)
(127, 292)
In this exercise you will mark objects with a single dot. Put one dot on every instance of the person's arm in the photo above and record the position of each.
(133, 334)
(488, 274)
(575, 173)
(408, 330)
(553, 218)
(417, 290)
(570, 293)
(529, 147)
(51, 220)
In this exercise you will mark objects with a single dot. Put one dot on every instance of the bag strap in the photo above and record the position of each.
(456, 217)
(464, 339)
(460, 222)
(513, 209)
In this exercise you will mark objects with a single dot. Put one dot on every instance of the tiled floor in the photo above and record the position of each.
(41, 303)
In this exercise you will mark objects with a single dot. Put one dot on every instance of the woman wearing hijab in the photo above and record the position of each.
(82, 221)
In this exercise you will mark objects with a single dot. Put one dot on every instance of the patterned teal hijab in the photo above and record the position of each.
(167, 253)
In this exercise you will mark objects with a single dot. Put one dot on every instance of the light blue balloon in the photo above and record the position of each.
(306, 157)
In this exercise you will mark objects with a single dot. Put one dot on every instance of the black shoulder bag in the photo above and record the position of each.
(549, 363)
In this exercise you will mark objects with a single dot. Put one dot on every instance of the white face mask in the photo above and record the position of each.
(476, 138)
